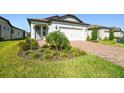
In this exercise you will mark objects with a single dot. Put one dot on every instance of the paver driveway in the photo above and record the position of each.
(112, 53)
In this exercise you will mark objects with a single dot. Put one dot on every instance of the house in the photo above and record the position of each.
(103, 32)
(8, 31)
(70, 25)
(18, 33)
(117, 32)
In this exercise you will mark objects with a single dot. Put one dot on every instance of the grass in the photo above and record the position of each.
(112, 43)
(87, 66)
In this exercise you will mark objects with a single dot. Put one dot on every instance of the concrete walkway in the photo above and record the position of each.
(112, 53)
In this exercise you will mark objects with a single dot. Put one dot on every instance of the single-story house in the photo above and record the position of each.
(8, 31)
(118, 32)
(103, 32)
(70, 25)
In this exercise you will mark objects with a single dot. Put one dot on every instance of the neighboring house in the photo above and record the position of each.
(18, 33)
(70, 25)
(5, 28)
(117, 32)
(7, 31)
(103, 32)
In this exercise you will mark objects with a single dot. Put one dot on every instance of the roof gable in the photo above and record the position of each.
(6, 20)
(72, 18)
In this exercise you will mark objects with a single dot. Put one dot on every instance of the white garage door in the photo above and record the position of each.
(73, 33)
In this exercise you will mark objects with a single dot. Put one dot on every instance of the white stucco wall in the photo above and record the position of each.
(103, 33)
(59, 25)
(54, 24)
(5, 29)
(89, 32)
(118, 34)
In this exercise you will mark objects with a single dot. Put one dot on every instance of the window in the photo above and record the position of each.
(18, 33)
(12, 31)
(4, 28)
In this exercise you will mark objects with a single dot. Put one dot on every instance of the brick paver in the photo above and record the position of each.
(112, 53)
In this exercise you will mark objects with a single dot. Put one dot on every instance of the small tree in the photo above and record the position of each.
(94, 34)
(111, 35)
(57, 40)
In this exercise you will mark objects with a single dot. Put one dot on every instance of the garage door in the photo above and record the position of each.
(73, 33)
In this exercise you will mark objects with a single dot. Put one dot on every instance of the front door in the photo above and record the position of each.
(38, 33)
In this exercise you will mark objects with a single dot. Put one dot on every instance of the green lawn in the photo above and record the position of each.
(112, 43)
(87, 66)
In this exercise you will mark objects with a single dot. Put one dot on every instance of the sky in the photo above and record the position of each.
(109, 20)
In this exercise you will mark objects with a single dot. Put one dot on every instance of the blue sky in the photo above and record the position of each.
(110, 20)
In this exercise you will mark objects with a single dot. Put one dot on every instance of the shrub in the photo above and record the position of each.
(1, 38)
(94, 34)
(23, 46)
(88, 38)
(28, 41)
(36, 56)
(34, 45)
(26, 46)
(77, 52)
(45, 46)
(106, 38)
(64, 55)
(111, 35)
(32, 55)
(48, 53)
(58, 41)
(21, 53)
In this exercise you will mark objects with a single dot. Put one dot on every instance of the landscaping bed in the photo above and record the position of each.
(57, 47)
(49, 54)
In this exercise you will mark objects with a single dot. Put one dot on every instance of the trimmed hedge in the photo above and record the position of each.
(94, 34)
(111, 35)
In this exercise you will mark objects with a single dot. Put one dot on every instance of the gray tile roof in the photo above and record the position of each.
(57, 18)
